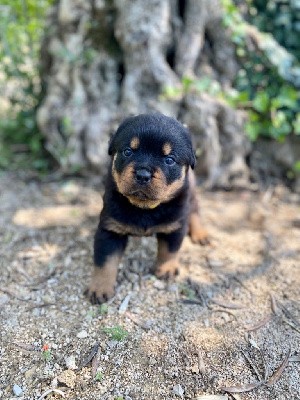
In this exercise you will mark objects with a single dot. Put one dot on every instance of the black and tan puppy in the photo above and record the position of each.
(149, 190)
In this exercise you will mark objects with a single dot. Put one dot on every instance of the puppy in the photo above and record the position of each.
(150, 190)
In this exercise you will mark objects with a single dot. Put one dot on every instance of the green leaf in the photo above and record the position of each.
(253, 130)
(296, 166)
(116, 333)
(261, 102)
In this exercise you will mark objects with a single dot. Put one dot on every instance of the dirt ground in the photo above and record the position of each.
(229, 323)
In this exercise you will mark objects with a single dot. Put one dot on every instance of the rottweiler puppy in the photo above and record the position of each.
(150, 190)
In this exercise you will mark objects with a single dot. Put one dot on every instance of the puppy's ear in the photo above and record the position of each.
(123, 129)
(190, 150)
(111, 145)
(192, 158)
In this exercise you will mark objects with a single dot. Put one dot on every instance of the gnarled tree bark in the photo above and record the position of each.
(107, 59)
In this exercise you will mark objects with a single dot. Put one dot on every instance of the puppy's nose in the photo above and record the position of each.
(142, 176)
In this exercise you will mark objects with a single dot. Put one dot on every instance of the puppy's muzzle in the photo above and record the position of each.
(143, 176)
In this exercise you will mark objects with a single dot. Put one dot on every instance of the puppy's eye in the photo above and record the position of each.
(127, 152)
(169, 161)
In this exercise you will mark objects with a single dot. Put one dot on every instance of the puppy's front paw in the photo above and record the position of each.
(200, 236)
(102, 286)
(168, 269)
(197, 233)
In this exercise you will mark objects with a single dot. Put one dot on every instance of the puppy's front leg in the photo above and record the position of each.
(108, 249)
(168, 245)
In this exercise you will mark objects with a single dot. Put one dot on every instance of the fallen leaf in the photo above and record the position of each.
(89, 357)
(96, 362)
(224, 304)
(277, 374)
(212, 397)
(259, 324)
(241, 389)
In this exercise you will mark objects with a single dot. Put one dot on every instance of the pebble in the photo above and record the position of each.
(178, 390)
(160, 285)
(124, 305)
(17, 390)
(4, 299)
(82, 334)
(70, 362)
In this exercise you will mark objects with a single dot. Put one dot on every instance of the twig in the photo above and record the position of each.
(290, 323)
(201, 364)
(252, 365)
(224, 311)
(40, 306)
(27, 347)
(190, 301)
(266, 368)
(12, 294)
(274, 306)
(136, 321)
(227, 305)
(259, 324)
(51, 391)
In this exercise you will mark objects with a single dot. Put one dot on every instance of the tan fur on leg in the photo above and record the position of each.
(167, 264)
(103, 281)
(197, 233)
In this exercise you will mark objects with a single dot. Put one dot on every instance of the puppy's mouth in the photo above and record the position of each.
(140, 194)
(142, 200)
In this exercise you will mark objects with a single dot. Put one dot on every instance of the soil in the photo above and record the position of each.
(230, 321)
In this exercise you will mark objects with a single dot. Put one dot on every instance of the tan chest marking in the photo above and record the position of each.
(123, 229)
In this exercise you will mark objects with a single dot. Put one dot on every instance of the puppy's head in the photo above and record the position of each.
(151, 156)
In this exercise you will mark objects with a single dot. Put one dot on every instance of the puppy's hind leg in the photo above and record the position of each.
(108, 250)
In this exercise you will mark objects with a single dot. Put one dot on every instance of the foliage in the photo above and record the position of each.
(116, 333)
(21, 28)
(268, 83)
(99, 376)
(46, 353)
(281, 18)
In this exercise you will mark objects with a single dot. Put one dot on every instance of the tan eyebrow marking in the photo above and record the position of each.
(135, 142)
(167, 148)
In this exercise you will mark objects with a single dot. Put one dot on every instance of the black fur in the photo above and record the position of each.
(153, 131)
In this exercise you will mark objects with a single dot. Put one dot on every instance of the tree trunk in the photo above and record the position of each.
(103, 60)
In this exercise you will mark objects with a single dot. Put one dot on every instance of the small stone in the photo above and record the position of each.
(4, 299)
(195, 369)
(124, 305)
(17, 390)
(70, 362)
(160, 285)
(215, 263)
(173, 288)
(68, 378)
(178, 390)
(82, 334)
(29, 373)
